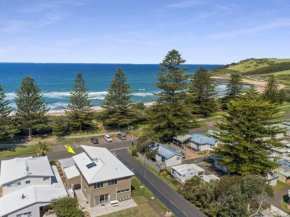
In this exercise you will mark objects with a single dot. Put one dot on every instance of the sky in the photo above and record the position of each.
(143, 31)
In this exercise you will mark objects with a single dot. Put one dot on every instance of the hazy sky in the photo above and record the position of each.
(143, 31)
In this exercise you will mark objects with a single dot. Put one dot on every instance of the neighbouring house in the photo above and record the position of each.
(286, 128)
(201, 142)
(184, 172)
(280, 152)
(167, 156)
(208, 178)
(271, 178)
(181, 140)
(28, 185)
(284, 161)
(72, 176)
(283, 173)
(103, 178)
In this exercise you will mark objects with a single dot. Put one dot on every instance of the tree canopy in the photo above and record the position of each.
(7, 126)
(202, 93)
(31, 106)
(247, 135)
(170, 116)
(66, 207)
(271, 90)
(79, 110)
(117, 103)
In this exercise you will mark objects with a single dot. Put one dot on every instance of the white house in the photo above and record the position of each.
(208, 178)
(201, 142)
(167, 156)
(184, 172)
(28, 185)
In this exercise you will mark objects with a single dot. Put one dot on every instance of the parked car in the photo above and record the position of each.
(121, 136)
(94, 141)
(108, 138)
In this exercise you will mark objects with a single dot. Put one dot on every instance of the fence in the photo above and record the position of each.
(150, 162)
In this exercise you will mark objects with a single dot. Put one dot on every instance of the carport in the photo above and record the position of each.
(181, 140)
(73, 178)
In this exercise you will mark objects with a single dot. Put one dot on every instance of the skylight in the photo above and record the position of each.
(89, 166)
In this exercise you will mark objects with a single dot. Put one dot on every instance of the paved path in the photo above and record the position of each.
(278, 197)
(173, 200)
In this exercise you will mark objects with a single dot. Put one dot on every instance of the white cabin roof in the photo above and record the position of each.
(18, 168)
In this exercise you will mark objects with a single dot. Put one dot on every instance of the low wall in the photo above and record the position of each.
(150, 162)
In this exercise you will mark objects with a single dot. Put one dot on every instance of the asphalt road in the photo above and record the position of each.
(173, 200)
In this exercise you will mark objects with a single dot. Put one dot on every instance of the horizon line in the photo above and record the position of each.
(109, 63)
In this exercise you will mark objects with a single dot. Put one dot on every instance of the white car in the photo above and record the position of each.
(108, 138)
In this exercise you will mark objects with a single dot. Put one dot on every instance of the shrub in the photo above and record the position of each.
(164, 173)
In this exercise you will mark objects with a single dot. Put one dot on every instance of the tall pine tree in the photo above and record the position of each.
(117, 102)
(271, 90)
(170, 116)
(31, 106)
(203, 92)
(79, 110)
(234, 88)
(243, 145)
(7, 128)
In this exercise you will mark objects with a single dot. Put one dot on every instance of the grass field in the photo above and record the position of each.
(246, 66)
(280, 185)
(146, 206)
(18, 151)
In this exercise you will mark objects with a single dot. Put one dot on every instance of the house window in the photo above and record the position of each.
(163, 159)
(113, 182)
(178, 158)
(122, 191)
(45, 178)
(98, 185)
(27, 182)
(14, 184)
(28, 214)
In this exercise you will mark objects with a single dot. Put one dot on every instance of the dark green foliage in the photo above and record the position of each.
(273, 67)
(117, 113)
(233, 196)
(66, 207)
(234, 86)
(79, 110)
(243, 149)
(281, 96)
(31, 106)
(271, 90)
(60, 127)
(202, 93)
(139, 106)
(170, 116)
(7, 127)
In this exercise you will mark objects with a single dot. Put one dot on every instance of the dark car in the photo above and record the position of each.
(183, 155)
(94, 140)
(121, 136)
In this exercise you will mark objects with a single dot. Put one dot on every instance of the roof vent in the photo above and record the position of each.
(22, 196)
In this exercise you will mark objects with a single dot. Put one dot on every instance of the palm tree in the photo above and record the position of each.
(42, 148)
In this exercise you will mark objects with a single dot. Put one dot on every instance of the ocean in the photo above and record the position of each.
(56, 80)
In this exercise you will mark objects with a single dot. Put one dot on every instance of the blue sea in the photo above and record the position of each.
(56, 80)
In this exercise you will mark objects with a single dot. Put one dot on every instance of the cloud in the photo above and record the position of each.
(185, 4)
(14, 25)
(49, 49)
(248, 31)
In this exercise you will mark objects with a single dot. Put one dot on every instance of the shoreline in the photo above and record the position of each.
(259, 84)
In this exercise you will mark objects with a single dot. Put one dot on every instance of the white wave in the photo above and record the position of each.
(56, 105)
(142, 94)
(142, 89)
(10, 96)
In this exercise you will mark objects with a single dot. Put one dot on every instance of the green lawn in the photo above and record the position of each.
(285, 206)
(280, 185)
(18, 151)
(146, 206)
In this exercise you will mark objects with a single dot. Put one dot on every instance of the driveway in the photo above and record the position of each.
(173, 200)
(278, 197)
